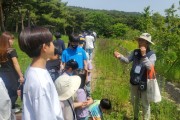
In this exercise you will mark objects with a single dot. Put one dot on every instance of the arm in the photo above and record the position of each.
(124, 59)
(85, 65)
(18, 70)
(80, 104)
(148, 62)
(85, 60)
(63, 60)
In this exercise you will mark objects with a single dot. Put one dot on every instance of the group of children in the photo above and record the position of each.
(59, 95)
(74, 91)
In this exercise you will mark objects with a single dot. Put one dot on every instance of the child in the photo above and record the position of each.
(66, 86)
(10, 70)
(59, 44)
(88, 78)
(70, 67)
(40, 98)
(97, 108)
(53, 66)
(80, 98)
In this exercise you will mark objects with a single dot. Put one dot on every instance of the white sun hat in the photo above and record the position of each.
(146, 36)
(66, 86)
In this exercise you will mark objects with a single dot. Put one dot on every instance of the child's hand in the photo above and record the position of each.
(19, 93)
(84, 104)
(21, 80)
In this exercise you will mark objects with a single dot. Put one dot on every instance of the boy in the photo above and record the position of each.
(97, 108)
(40, 98)
(59, 44)
(53, 66)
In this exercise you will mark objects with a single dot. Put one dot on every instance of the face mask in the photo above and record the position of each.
(74, 46)
(70, 74)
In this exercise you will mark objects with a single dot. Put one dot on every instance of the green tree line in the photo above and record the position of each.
(15, 15)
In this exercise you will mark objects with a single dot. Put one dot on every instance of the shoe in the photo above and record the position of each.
(16, 110)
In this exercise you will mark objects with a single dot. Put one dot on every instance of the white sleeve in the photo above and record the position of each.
(5, 103)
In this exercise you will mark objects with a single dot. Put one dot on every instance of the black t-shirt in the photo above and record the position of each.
(8, 65)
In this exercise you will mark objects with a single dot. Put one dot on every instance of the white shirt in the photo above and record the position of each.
(89, 42)
(40, 98)
(5, 102)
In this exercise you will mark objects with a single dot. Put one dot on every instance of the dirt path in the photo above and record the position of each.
(94, 77)
(19, 116)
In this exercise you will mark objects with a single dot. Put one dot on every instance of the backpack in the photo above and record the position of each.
(137, 79)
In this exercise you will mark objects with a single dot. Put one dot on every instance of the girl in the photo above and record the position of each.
(9, 67)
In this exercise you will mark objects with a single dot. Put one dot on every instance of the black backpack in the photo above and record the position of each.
(135, 79)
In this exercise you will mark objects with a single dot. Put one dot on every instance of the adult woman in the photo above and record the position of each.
(9, 67)
(143, 60)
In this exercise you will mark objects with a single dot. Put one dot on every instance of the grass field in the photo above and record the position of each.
(113, 82)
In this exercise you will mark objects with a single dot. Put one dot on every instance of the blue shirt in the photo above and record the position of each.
(78, 54)
(95, 111)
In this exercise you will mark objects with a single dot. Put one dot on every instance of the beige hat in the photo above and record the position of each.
(146, 36)
(66, 86)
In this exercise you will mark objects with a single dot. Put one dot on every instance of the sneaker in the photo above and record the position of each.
(16, 110)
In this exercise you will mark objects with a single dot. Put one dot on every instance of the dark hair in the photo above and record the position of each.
(105, 104)
(57, 35)
(74, 38)
(31, 40)
(71, 64)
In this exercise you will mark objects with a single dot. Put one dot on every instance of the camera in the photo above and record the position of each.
(142, 86)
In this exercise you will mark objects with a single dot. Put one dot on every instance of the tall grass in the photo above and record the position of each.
(113, 82)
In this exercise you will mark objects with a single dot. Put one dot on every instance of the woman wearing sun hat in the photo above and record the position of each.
(143, 59)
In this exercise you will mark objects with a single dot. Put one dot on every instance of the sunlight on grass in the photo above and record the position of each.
(113, 83)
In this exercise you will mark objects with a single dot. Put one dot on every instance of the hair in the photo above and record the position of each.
(105, 104)
(4, 45)
(74, 38)
(57, 35)
(71, 64)
(31, 40)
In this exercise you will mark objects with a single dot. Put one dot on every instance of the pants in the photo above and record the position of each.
(136, 95)
(89, 51)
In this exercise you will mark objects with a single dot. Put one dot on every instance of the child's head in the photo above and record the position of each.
(74, 40)
(33, 39)
(57, 35)
(105, 104)
(6, 41)
(71, 64)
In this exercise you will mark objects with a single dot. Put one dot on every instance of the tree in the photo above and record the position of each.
(2, 16)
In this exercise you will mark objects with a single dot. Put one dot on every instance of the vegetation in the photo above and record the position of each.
(118, 29)
(57, 16)
(112, 81)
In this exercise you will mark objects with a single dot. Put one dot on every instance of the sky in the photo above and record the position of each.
(126, 5)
